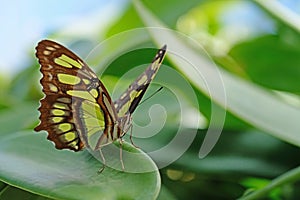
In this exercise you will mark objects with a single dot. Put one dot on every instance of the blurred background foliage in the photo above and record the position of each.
(257, 41)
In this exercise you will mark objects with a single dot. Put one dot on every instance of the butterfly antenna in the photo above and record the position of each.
(159, 89)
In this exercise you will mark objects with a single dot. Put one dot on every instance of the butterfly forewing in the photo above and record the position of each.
(77, 108)
(130, 99)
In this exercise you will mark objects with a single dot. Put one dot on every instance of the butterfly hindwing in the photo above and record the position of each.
(57, 118)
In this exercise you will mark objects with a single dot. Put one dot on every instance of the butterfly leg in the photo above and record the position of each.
(130, 137)
(104, 162)
(121, 154)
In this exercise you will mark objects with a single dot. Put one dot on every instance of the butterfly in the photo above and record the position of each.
(77, 110)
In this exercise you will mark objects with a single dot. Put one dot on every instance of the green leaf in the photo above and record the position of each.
(19, 117)
(30, 162)
(275, 65)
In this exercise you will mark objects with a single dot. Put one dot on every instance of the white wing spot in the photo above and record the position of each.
(50, 48)
(46, 53)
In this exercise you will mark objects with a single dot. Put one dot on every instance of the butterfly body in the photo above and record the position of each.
(77, 110)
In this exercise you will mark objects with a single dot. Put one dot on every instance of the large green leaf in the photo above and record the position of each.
(30, 162)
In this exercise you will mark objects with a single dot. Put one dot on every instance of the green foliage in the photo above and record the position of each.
(284, 62)
(257, 154)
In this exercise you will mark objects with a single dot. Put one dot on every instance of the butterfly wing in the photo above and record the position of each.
(77, 110)
(130, 99)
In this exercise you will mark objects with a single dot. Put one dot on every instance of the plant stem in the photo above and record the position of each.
(286, 178)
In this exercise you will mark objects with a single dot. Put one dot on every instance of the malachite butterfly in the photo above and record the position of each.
(77, 111)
